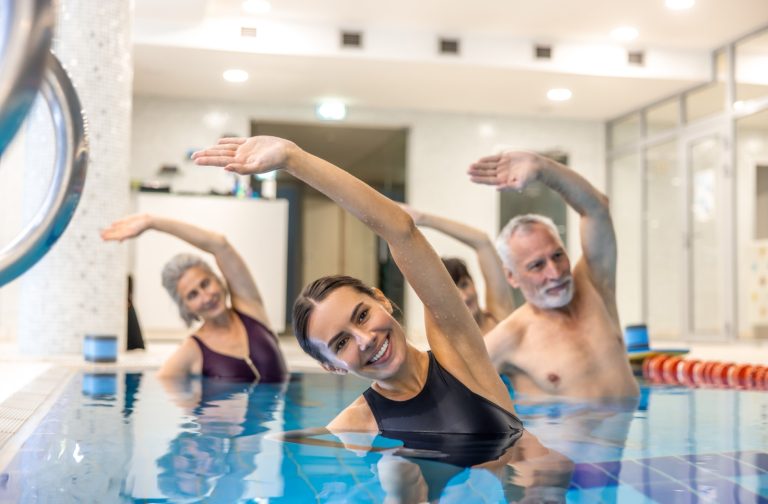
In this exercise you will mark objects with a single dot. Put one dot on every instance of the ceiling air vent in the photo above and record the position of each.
(351, 39)
(247, 31)
(542, 52)
(448, 46)
(636, 58)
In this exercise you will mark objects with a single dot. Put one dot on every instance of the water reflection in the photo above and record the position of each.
(218, 456)
(433, 467)
(583, 431)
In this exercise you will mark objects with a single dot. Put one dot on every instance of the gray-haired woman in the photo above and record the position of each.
(234, 341)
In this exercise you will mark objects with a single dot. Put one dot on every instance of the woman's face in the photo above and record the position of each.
(202, 293)
(469, 294)
(357, 333)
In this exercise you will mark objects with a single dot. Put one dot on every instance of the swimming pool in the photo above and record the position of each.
(128, 437)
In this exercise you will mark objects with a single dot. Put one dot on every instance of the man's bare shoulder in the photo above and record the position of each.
(355, 417)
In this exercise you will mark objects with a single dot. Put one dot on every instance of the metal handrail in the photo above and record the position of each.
(26, 31)
(68, 178)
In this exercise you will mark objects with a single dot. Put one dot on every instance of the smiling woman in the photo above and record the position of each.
(234, 342)
(349, 327)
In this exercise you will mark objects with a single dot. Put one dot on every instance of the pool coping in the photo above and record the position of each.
(23, 410)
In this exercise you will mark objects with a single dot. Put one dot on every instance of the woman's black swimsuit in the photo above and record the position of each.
(446, 417)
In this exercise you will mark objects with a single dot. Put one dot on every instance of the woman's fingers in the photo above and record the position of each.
(219, 151)
(232, 140)
(483, 167)
(110, 234)
(204, 159)
(495, 158)
(225, 147)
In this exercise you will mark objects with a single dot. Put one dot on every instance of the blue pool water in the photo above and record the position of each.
(129, 437)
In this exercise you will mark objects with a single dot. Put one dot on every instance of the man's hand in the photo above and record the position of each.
(508, 170)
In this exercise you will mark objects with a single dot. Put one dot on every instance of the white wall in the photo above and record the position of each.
(626, 209)
(440, 147)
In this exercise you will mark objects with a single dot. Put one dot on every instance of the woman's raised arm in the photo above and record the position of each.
(245, 293)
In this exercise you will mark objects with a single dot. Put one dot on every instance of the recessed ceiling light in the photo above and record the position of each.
(624, 33)
(331, 110)
(256, 6)
(235, 75)
(679, 4)
(559, 94)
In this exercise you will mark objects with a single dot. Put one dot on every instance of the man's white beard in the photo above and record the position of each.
(550, 301)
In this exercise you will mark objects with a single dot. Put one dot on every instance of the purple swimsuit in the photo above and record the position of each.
(262, 349)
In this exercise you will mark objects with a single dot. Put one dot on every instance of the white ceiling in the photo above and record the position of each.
(183, 46)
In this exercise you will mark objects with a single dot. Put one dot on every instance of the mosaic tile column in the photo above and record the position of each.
(79, 287)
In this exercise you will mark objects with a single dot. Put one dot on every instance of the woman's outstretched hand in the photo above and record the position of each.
(509, 170)
(127, 227)
(259, 154)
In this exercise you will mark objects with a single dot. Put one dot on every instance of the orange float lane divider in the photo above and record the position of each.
(675, 370)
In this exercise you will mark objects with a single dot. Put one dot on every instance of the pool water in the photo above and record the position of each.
(129, 437)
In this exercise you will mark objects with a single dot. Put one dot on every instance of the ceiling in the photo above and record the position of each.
(183, 46)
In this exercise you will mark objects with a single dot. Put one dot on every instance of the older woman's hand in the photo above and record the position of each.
(127, 227)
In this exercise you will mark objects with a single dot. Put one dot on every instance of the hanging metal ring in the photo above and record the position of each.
(71, 161)
(26, 31)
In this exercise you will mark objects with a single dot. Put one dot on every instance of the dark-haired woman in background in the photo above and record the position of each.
(499, 302)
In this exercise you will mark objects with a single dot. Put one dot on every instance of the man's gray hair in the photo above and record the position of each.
(522, 223)
(173, 271)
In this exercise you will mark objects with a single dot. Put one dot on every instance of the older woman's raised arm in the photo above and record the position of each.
(245, 294)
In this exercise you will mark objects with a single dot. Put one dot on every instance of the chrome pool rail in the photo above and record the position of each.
(71, 142)
(26, 31)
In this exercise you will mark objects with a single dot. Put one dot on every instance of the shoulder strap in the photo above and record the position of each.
(203, 346)
(372, 398)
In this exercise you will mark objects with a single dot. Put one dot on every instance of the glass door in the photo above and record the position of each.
(707, 236)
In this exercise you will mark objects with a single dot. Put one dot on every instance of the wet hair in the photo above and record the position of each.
(314, 293)
(521, 223)
(174, 270)
(457, 268)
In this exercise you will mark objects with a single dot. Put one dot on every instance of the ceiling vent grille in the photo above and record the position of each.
(449, 46)
(636, 58)
(247, 31)
(351, 39)
(542, 52)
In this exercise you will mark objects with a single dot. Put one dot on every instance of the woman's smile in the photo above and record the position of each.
(382, 354)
